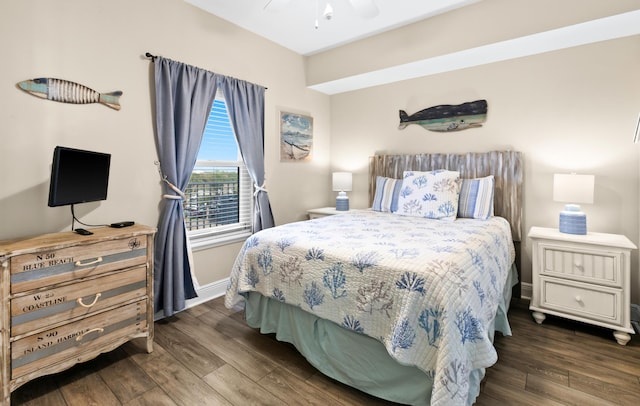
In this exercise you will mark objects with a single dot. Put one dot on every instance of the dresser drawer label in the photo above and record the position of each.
(42, 301)
(46, 260)
(51, 339)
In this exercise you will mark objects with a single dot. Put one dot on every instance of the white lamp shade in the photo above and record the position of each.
(342, 181)
(572, 188)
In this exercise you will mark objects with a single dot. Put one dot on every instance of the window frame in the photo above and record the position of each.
(229, 233)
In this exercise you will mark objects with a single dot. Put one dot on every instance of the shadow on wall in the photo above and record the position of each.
(26, 213)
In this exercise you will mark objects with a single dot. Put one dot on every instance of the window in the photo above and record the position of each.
(219, 196)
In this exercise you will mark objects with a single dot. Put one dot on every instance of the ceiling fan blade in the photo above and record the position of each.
(276, 5)
(365, 8)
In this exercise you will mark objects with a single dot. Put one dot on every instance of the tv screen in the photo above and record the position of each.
(78, 176)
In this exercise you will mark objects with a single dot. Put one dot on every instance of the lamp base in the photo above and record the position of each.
(572, 220)
(342, 202)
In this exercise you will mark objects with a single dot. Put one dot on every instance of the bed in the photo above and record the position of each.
(400, 306)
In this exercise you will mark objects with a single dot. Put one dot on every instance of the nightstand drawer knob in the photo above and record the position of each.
(579, 267)
(578, 299)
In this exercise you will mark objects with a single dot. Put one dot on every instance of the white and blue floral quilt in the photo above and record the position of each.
(427, 289)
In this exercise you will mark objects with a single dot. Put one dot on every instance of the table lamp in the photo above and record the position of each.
(573, 189)
(342, 183)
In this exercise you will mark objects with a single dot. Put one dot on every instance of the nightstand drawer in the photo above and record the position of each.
(581, 264)
(581, 299)
(322, 212)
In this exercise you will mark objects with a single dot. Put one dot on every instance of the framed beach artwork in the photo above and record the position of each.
(296, 137)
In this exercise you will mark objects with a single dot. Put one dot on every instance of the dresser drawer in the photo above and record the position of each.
(39, 309)
(581, 264)
(44, 349)
(41, 269)
(581, 299)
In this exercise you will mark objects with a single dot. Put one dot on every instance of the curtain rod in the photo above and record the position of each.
(153, 59)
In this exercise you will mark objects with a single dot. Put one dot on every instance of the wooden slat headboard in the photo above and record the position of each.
(505, 166)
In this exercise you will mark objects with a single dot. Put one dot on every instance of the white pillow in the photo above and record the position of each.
(387, 192)
(431, 194)
(476, 198)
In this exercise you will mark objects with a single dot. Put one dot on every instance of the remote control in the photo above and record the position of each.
(122, 224)
(82, 231)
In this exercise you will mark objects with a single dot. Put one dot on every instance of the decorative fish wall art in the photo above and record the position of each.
(69, 92)
(446, 118)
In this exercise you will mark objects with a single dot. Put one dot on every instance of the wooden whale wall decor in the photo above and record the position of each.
(65, 91)
(447, 117)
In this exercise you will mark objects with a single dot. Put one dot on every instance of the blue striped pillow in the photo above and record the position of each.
(386, 197)
(476, 198)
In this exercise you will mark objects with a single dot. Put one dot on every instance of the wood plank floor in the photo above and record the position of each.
(207, 355)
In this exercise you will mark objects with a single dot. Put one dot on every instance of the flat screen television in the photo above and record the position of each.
(78, 176)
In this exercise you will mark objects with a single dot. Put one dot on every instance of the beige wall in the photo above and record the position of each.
(101, 45)
(571, 110)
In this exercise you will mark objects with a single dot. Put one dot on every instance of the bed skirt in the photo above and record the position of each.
(355, 359)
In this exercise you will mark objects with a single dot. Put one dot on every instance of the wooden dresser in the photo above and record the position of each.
(66, 298)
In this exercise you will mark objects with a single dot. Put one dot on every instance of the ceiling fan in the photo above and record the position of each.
(364, 8)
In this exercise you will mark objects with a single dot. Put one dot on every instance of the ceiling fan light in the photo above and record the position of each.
(328, 12)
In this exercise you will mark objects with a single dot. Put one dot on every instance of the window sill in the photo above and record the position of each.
(199, 243)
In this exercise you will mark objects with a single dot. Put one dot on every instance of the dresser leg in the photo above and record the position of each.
(621, 337)
(538, 317)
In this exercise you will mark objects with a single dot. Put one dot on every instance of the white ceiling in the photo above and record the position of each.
(291, 23)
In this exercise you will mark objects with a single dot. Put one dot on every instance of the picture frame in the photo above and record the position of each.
(296, 137)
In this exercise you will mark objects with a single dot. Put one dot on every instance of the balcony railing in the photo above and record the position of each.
(211, 204)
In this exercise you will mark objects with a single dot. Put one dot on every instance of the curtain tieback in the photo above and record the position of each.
(259, 189)
(181, 195)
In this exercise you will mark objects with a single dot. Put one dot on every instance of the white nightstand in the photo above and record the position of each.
(582, 277)
(322, 212)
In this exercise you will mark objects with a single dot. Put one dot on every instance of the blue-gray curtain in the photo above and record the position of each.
(245, 103)
(184, 95)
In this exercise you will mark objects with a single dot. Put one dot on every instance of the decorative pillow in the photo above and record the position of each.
(386, 197)
(476, 198)
(431, 194)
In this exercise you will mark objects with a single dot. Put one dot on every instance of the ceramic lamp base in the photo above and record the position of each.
(342, 202)
(573, 221)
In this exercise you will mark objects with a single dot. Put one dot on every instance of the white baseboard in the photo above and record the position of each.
(526, 289)
(205, 293)
(209, 292)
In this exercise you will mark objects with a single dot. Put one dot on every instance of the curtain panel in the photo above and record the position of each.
(245, 103)
(184, 96)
